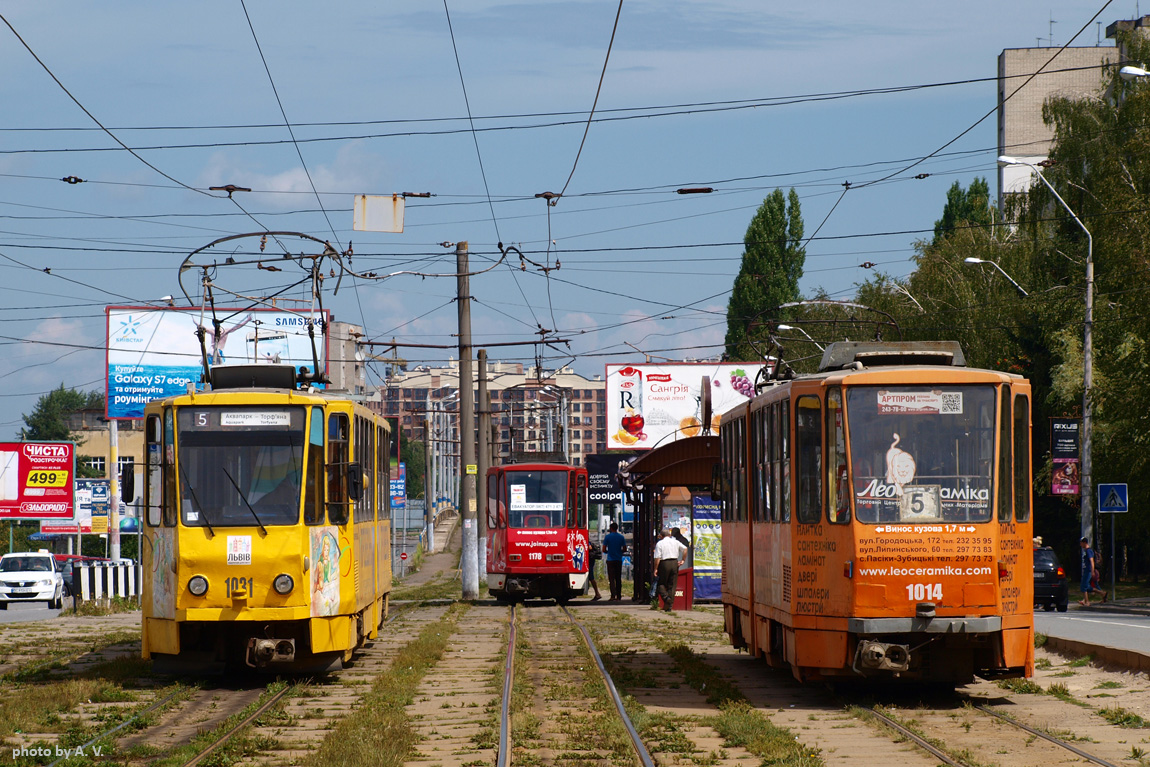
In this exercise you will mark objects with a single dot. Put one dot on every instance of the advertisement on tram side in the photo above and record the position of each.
(652, 404)
(155, 353)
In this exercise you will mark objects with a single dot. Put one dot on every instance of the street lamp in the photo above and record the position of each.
(1132, 73)
(805, 333)
(973, 260)
(1087, 521)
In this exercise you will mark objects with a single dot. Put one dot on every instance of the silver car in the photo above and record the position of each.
(30, 576)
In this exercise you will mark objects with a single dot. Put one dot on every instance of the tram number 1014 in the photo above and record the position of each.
(917, 592)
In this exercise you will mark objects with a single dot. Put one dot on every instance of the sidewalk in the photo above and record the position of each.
(446, 554)
(1136, 606)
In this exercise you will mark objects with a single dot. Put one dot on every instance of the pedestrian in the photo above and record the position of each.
(614, 546)
(1087, 582)
(592, 561)
(669, 554)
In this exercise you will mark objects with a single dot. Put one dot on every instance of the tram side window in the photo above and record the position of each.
(725, 465)
(772, 461)
(154, 477)
(760, 509)
(581, 500)
(809, 449)
(338, 456)
(1022, 488)
(493, 502)
(783, 426)
(171, 487)
(740, 485)
(571, 494)
(1005, 475)
(313, 487)
(383, 473)
(838, 493)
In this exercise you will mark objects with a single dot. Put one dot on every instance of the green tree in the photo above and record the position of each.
(47, 421)
(413, 454)
(970, 206)
(772, 264)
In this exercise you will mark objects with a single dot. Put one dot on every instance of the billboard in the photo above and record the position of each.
(651, 404)
(155, 353)
(1064, 456)
(603, 476)
(36, 480)
(93, 499)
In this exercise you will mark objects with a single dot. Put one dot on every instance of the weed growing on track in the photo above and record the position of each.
(1022, 686)
(1123, 718)
(739, 724)
(380, 733)
(96, 607)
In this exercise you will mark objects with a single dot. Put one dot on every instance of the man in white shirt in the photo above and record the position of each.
(669, 554)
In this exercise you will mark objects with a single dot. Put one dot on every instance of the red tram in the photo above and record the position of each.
(876, 518)
(537, 540)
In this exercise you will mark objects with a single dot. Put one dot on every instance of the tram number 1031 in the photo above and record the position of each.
(918, 592)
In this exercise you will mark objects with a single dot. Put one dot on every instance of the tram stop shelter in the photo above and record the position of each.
(684, 463)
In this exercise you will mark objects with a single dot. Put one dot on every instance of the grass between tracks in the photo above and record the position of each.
(380, 733)
(739, 723)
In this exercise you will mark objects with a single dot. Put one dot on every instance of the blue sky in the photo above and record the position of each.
(640, 264)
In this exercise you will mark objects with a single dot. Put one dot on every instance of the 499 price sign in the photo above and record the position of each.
(36, 480)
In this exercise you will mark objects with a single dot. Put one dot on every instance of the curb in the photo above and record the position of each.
(1128, 659)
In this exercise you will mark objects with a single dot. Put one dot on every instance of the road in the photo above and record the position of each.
(1125, 632)
(27, 611)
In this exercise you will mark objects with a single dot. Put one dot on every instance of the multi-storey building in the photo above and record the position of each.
(549, 411)
(1076, 72)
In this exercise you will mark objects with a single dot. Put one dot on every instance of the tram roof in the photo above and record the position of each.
(845, 354)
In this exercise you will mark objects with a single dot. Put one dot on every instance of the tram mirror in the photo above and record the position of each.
(128, 484)
(355, 482)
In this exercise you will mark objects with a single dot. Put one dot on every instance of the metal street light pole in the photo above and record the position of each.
(973, 260)
(1087, 520)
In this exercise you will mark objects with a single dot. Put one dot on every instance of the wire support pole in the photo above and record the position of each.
(467, 502)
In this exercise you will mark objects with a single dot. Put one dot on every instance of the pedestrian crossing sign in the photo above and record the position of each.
(1112, 499)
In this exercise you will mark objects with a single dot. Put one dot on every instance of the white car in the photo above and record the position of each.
(30, 576)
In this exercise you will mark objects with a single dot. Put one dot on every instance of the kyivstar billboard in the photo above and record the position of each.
(155, 353)
(650, 405)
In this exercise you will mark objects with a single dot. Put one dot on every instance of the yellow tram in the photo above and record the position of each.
(267, 528)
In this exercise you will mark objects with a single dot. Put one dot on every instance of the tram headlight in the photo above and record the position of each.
(198, 585)
(283, 583)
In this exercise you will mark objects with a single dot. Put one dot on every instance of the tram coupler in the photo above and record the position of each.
(883, 656)
(261, 652)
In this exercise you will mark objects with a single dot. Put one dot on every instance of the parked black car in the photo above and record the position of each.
(1050, 587)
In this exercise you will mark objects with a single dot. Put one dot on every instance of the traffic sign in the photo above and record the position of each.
(403, 555)
(1112, 499)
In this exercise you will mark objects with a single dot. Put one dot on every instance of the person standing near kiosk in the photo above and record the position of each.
(614, 546)
(669, 554)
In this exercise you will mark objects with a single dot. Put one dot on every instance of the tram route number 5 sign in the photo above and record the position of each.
(1113, 499)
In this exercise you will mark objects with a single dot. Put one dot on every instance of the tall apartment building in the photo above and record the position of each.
(1074, 73)
(531, 412)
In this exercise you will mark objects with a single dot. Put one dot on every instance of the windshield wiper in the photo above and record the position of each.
(263, 529)
(196, 501)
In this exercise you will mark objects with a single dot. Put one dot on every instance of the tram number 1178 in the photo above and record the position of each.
(918, 592)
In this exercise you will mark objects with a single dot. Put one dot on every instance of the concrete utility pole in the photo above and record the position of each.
(114, 489)
(484, 459)
(470, 564)
(428, 512)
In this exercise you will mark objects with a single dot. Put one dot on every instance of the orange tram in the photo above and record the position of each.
(537, 539)
(876, 518)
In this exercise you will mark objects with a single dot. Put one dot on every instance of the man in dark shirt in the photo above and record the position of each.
(614, 546)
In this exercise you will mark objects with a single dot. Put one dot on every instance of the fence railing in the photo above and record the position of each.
(104, 580)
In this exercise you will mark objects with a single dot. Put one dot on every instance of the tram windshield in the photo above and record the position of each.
(922, 453)
(536, 498)
(240, 466)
